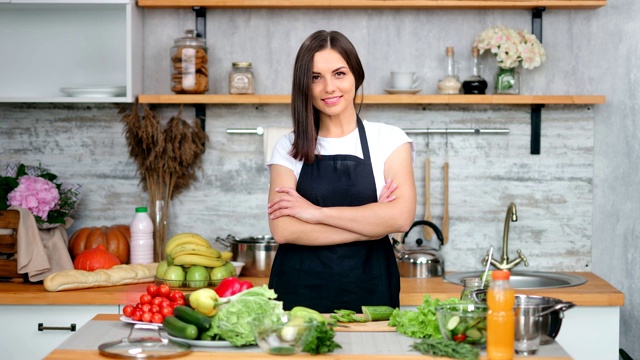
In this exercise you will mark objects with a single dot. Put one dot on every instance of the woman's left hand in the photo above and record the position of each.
(386, 195)
(289, 203)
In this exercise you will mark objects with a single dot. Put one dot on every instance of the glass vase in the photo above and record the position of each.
(159, 216)
(508, 81)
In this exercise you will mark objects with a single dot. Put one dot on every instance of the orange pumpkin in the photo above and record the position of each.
(114, 238)
(94, 259)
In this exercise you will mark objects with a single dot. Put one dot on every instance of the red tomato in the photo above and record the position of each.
(146, 307)
(157, 318)
(175, 295)
(166, 311)
(152, 290)
(138, 305)
(155, 309)
(164, 290)
(179, 302)
(127, 310)
(145, 299)
(165, 303)
(157, 300)
(460, 337)
(137, 315)
(146, 317)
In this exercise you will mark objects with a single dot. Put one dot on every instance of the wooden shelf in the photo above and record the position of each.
(379, 4)
(382, 99)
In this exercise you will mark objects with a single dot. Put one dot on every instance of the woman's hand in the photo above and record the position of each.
(289, 203)
(386, 195)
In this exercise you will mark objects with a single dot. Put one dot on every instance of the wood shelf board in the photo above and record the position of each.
(382, 99)
(379, 4)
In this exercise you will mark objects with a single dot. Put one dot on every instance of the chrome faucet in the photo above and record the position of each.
(504, 264)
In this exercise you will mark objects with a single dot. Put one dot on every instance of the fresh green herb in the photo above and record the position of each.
(321, 340)
(422, 322)
(442, 347)
(346, 316)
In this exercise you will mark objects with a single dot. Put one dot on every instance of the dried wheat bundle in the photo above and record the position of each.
(168, 158)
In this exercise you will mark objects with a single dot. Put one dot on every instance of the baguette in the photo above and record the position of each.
(117, 275)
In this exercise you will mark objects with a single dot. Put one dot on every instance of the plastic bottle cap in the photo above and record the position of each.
(141, 209)
(500, 275)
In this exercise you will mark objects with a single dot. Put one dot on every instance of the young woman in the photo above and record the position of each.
(339, 186)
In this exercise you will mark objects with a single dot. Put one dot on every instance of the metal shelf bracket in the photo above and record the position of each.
(536, 109)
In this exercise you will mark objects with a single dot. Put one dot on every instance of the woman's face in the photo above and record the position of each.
(333, 85)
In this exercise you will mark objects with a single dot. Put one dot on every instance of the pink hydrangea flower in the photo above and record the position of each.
(36, 194)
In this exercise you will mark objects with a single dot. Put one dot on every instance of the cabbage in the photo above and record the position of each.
(232, 322)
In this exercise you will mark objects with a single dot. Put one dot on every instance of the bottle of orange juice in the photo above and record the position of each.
(500, 318)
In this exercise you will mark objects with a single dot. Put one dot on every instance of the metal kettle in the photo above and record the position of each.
(422, 263)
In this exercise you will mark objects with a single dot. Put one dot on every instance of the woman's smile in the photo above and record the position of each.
(332, 100)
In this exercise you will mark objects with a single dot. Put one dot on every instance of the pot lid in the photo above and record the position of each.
(264, 239)
(144, 347)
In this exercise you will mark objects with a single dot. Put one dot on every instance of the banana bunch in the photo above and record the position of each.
(187, 249)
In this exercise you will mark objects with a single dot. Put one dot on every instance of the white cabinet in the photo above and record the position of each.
(88, 47)
(591, 332)
(19, 334)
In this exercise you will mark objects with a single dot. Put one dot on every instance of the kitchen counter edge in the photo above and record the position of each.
(596, 292)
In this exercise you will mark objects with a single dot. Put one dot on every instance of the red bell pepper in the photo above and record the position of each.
(231, 286)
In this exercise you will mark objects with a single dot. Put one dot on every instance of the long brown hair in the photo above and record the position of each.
(306, 118)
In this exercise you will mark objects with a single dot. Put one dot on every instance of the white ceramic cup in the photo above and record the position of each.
(403, 80)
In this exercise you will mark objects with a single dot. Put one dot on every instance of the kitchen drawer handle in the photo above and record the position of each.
(41, 327)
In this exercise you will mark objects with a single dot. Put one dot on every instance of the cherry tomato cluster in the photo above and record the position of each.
(154, 305)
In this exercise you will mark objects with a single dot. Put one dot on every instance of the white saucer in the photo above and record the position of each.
(403, 91)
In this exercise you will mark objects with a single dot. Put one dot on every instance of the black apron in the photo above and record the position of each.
(344, 276)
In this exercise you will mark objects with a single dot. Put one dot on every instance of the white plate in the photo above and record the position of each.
(202, 343)
(131, 321)
(403, 91)
(94, 91)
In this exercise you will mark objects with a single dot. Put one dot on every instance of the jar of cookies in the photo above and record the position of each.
(189, 74)
(241, 78)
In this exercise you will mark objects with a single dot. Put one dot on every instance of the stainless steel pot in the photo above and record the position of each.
(551, 312)
(422, 263)
(256, 252)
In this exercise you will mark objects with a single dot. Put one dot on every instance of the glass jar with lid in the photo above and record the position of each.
(241, 78)
(189, 72)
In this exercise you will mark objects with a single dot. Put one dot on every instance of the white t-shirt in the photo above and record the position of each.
(383, 139)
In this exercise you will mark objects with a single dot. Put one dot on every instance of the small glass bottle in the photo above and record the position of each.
(450, 84)
(241, 78)
(470, 285)
(500, 317)
(475, 84)
(141, 242)
(189, 72)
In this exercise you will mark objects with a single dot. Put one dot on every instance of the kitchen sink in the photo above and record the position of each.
(526, 279)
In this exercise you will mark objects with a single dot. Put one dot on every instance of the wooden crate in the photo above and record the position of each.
(9, 220)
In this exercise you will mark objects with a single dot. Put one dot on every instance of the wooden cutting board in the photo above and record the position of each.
(369, 326)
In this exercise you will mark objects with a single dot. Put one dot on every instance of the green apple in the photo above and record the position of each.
(162, 267)
(197, 276)
(232, 269)
(219, 273)
(174, 276)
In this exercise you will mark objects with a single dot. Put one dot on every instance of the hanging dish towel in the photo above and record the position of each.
(270, 138)
(41, 252)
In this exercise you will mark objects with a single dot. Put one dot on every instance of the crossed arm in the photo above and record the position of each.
(293, 219)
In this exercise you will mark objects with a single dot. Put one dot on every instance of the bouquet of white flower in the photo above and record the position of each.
(511, 47)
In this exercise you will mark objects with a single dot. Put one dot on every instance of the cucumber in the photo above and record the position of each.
(473, 334)
(180, 329)
(377, 313)
(190, 316)
(453, 322)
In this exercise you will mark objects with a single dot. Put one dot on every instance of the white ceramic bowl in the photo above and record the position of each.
(238, 265)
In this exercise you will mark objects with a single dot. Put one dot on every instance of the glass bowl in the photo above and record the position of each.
(466, 323)
(281, 334)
